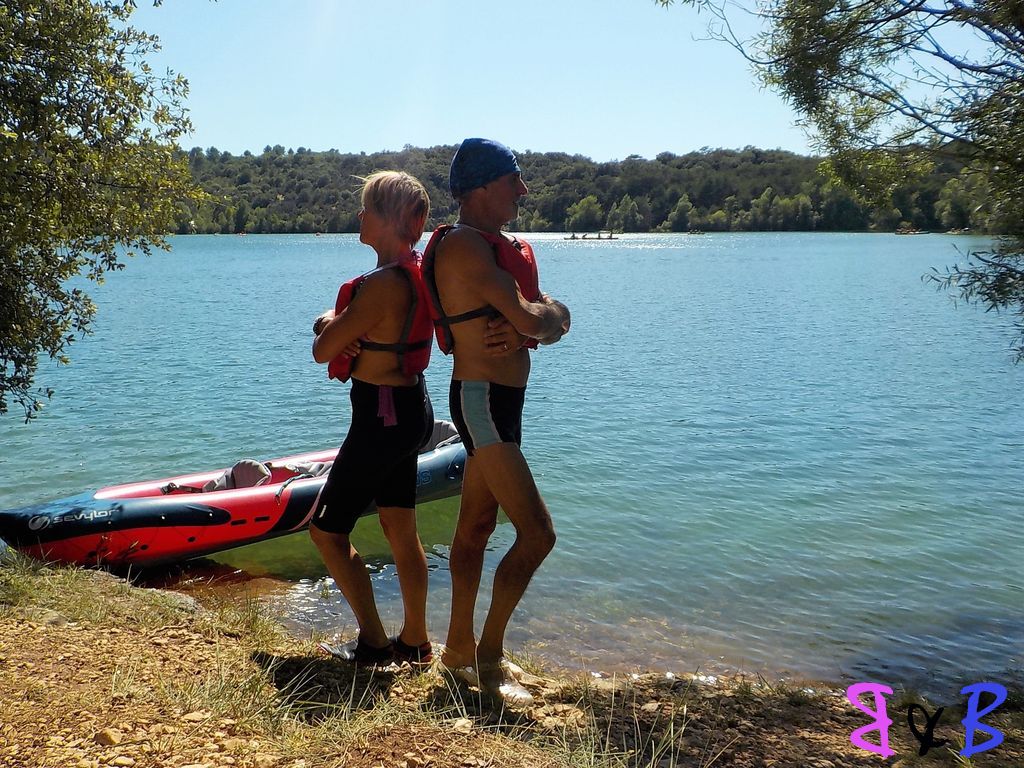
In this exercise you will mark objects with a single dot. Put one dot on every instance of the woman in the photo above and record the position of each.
(379, 333)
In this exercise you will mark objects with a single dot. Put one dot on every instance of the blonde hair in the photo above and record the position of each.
(400, 198)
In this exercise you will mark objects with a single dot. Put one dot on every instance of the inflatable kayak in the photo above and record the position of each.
(176, 518)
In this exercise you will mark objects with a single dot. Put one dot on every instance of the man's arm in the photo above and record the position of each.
(501, 338)
(472, 259)
(565, 320)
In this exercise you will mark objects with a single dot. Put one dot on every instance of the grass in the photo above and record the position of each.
(788, 693)
(81, 595)
(298, 704)
(248, 676)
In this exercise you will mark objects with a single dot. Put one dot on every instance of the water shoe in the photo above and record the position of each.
(498, 681)
(413, 655)
(360, 653)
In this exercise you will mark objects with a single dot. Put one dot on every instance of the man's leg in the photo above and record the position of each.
(399, 526)
(509, 480)
(478, 514)
(349, 573)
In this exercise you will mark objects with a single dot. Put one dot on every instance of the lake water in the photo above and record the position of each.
(775, 453)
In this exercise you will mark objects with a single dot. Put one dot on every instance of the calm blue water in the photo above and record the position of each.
(779, 453)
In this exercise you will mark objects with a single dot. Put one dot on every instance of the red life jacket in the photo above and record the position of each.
(514, 256)
(413, 346)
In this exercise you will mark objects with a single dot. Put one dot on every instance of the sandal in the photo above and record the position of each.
(413, 655)
(465, 675)
(360, 653)
(512, 669)
(504, 686)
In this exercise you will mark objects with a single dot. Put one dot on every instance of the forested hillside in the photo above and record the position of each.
(299, 190)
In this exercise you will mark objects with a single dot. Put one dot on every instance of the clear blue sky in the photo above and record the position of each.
(602, 78)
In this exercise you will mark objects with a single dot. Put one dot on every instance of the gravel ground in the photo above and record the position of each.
(85, 694)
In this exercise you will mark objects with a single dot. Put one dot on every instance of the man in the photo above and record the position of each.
(489, 312)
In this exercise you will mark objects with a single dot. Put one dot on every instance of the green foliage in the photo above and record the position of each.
(285, 191)
(89, 170)
(625, 215)
(964, 202)
(586, 215)
(679, 217)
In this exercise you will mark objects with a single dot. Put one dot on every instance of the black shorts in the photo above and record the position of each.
(486, 413)
(377, 461)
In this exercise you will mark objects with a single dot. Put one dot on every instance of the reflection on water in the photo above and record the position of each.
(289, 572)
(294, 558)
(289, 575)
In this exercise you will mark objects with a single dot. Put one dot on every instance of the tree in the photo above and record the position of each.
(889, 86)
(889, 220)
(718, 221)
(625, 216)
(585, 215)
(963, 203)
(242, 214)
(89, 171)
(761, 210)
(679, 217)
(805, 218)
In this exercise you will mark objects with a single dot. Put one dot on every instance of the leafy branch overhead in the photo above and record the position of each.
(888, 86)
(89, 171)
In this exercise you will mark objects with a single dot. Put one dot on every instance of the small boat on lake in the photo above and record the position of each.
(163, 521)
(603, 234)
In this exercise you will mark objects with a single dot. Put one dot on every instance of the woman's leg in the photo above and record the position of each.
(349, 573)
(399, 524)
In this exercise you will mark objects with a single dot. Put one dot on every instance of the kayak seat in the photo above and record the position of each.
(443, 434)
(247, 473)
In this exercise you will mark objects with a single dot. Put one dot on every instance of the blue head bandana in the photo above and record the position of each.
(479, 162)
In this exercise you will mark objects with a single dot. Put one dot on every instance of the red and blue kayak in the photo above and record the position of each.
(163, 521)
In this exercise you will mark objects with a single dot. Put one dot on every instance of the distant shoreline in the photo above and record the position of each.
(712, 190)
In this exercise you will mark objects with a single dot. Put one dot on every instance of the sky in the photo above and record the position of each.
(601, 78)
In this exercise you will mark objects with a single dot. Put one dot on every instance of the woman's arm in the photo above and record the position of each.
(341, 333)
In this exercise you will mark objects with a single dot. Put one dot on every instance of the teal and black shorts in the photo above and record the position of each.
(486, 413)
